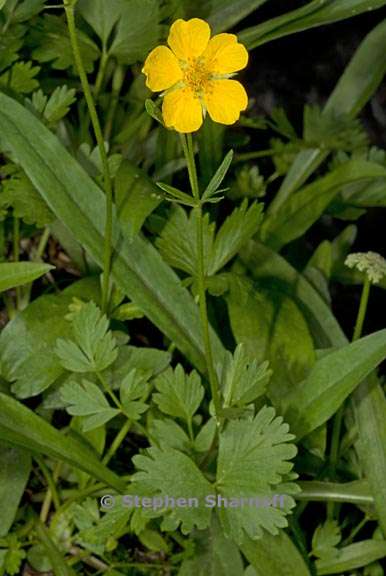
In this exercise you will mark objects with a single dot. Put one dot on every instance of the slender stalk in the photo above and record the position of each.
(117, 442)
(52, 494)
(16, 253)
(118, 79)
(101, 72)
(362, 309)
(69, 9)
(337, 424)
(187, 144)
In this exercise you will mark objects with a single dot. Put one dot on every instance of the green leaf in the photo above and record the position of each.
(331, 380)
(54, 108)
(358, 82)
(87, 399)
(243, 380)
(237, 229)
(218, 177)
(274, 555)
(369, 399)
(15, 468)
(224, 14)
(93, 348)
(101, 16)
(214, 554)
(159, 470)
(325, 540)
(178, 394)
(20, 78)
(264, 319)
(178, 245)
(51, 43)
(138, 269)
(136, 197)
(302, 209)
(325, 129)
(19, 193)
(353, 556)
(315, 13)
(167, 434)
(137, 31)
(21, 427)
(253, 458)
(134, 389)
(14, 274)
(33, 367)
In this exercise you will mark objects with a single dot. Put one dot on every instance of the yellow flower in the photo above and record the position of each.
(195, 72)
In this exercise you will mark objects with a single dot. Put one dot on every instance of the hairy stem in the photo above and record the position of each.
(102, 151)
(187, 144)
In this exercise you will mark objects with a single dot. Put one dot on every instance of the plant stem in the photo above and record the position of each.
(102, 151)
(101, 72)
(362, 310)
(337, 425)
(187, 145)
(117, 442)
(16, 253)
(108, 390)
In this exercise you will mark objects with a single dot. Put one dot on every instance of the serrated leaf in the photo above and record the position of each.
(134, 389)
(177, 242)
(167, 433)
(325, 540)
(21, 78)
(170, 473)
(178, 394)
(328, 130)
(51, 43)
(32, 367)
(243, 380)
(87, 399)
(58, 104)
(204, 439)
(253, 458)
(237, 229)
(20, 194)
(93, 348)
(178, 245)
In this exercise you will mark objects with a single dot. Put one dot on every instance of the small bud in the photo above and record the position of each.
(373, 264)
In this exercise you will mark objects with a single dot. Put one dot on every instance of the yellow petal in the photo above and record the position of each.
(161, 69)
(225, 55)
(189, 38)
(224, 100)
(182, 110)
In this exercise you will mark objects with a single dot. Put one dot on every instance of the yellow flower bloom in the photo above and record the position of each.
(195, 73)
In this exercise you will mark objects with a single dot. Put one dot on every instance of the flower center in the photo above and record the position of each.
(196, 75)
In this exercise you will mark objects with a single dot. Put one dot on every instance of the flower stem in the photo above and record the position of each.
(117, 442)
(102, 151)
(337, 425)
(187, 145)
(362, 309)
